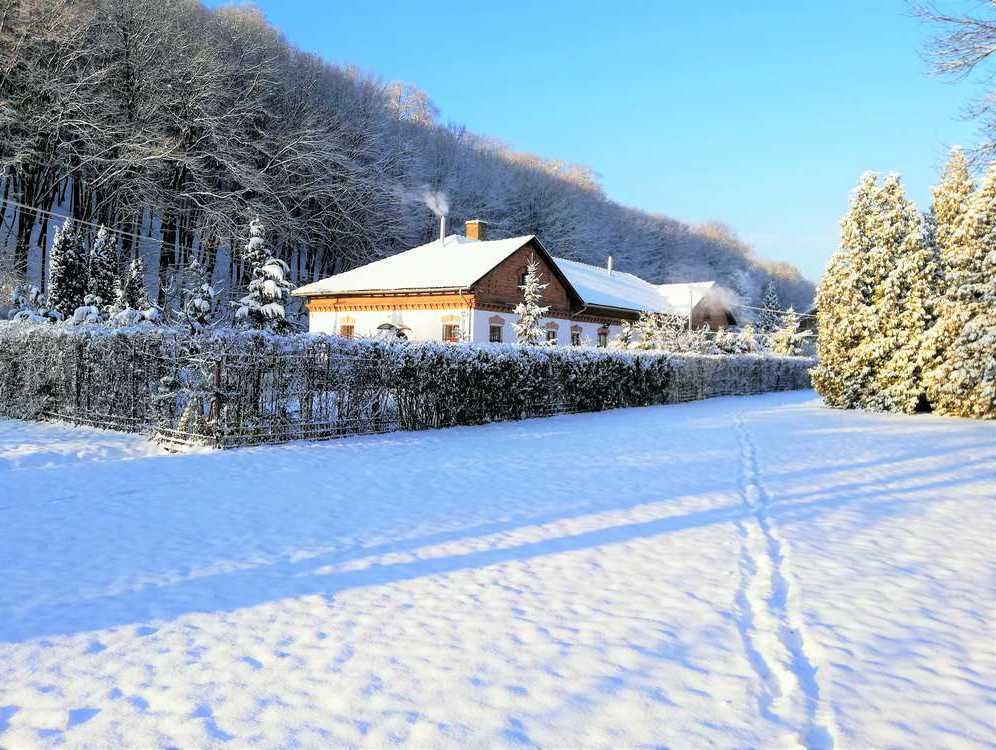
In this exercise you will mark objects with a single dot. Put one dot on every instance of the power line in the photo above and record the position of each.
(56, 214)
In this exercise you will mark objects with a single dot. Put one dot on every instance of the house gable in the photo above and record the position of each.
(499, 287)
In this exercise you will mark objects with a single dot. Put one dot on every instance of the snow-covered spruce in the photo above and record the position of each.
(264, 306)
(770, 317)
(530, 310)
(102, 271)
(198, 296)
(67, 271)
(874, 302)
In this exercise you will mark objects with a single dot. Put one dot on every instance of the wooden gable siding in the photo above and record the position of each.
(500, 286)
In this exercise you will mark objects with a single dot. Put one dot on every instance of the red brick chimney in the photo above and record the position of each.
(476, 229)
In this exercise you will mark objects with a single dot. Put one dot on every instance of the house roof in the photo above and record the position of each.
(597, 286)
(679, 296)
(451, 264)
(435, 265)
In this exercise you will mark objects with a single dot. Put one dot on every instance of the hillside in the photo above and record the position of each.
(174, 125)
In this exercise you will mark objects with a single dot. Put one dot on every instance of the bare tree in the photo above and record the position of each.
(965, 44)
(174, 125)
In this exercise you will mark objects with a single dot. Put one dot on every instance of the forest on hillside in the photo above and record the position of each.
(174, 126)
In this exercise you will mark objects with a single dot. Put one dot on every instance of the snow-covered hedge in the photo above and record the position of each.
(234, 388)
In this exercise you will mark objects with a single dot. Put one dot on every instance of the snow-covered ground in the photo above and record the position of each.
(740, 572)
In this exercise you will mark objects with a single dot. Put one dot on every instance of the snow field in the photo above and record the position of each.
(741, 572)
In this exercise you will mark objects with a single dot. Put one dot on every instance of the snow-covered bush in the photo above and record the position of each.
(252, 386)
(28, 306)
(91, 311)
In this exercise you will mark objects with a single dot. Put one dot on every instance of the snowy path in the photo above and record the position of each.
(737, 573)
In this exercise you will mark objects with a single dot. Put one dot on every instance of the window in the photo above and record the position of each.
(603, 336)
(346, 331)
(522, 279)
(451, 332)
(551, 335)
(494, 333)
(575, 337)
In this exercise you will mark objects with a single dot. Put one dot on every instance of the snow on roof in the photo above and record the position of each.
(451, 264)
(679, 296)
(598, 287)
(436, 265)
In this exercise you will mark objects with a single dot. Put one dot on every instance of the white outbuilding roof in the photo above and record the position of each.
(680, 296)
(436, 265)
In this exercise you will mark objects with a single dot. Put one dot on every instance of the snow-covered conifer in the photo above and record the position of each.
(264, 305)
(129, 290)
(844, 303)
(66, 270)
(527, 328)
(903, 302)
(951, 199)
(198, 296)
(961, 379)
(102, 267)
(770, 317)
(256, 250)
(789, 340)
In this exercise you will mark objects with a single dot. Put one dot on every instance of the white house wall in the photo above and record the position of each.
(423, 325)
(427, 325)
(482, 321)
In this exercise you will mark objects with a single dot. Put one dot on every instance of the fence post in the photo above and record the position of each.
(216, 402)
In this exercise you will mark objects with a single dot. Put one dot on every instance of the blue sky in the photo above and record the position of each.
(761, 115)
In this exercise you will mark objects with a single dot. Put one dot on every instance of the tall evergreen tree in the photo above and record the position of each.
(256, 250)
(264, 305)
(102, 271)
(129, 291)
(770, 318)
(527, 328)
(961, 378)
(198, 295)
(844, 304)
(66, 270)
(903, 301)
(951, 199)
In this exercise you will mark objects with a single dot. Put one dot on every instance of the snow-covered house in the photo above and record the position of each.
(466, 287)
